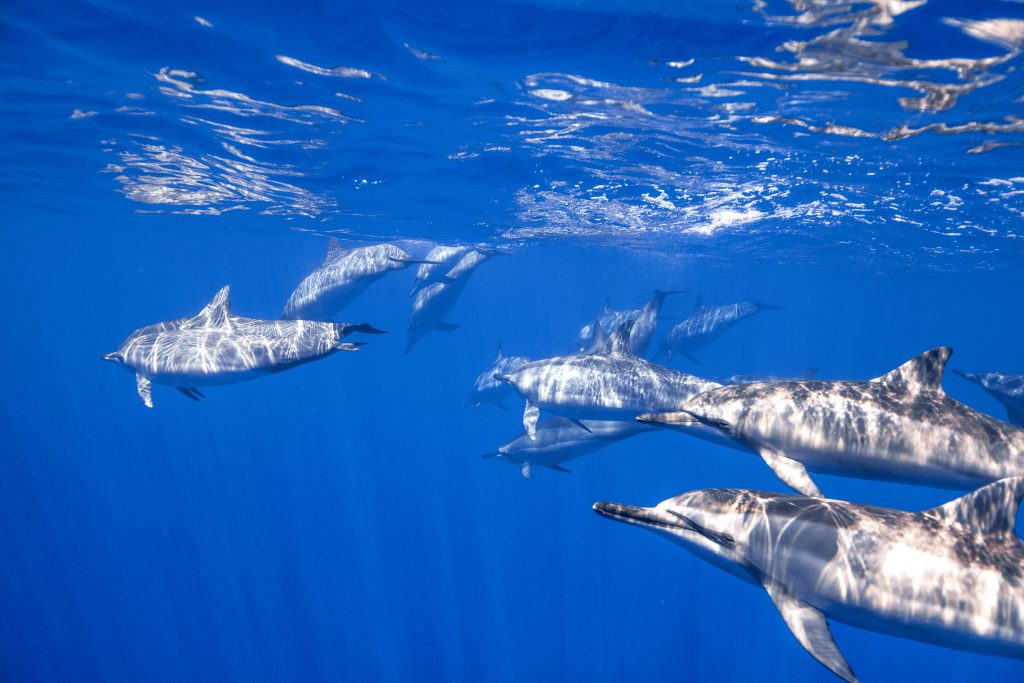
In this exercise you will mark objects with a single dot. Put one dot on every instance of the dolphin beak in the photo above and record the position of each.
(966, 375)
(109, 356)
(639, 516)
(502, 378)
(680, 418)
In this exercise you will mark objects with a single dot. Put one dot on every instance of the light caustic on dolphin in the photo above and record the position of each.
(705, 325)
(952, 575)
(610, 383)
(343, 276)
(898, 427)
(215, 347)
(645, 320)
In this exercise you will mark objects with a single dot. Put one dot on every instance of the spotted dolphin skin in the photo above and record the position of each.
(645, 320)
(560, 440)
(215, 348)
(609, 384)
(952, 575)
(343, 276)
(705, 325)
(1007, 389)
(898, 427)
(433, 302)
(488, 389)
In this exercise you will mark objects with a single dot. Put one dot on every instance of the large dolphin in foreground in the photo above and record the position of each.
(433, 302)
(1007, 389)
(560, 440)
(215, 347)
(489, 389)
(645, 320)
(952, 575)
(341, 278)
(705, 325)
(609, 384)
(898, 427)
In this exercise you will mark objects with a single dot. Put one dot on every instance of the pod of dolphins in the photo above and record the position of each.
(952, 575)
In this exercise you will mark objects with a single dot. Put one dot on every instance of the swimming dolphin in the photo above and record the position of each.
(439, 260)
(560, 439)
(645, 320)
(705, 325)
(215, 347)
(1007, 389)
(898, 427)
(342, 277)
(434, 301)
(487, 389)
(952, 575)
(609, 384)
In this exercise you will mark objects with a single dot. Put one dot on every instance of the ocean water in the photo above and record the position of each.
(857, 164)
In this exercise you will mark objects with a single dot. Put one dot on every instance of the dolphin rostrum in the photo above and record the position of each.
(952, 575)
(645, 320)
(215, 347)
(560, 439)
(341, 278)
(898, 427)
(611, 383)
(488, 389)
(1007, 389)
(434, 301)
(705, 325)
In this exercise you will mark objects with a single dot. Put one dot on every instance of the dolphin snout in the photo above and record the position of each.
(679, 418)
(502, 378)
(110, 356)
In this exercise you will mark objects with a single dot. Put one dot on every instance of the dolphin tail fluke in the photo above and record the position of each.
(810, 628)
(791, 472)
(145, 389)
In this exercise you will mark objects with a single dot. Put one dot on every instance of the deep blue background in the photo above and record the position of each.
(335, 522)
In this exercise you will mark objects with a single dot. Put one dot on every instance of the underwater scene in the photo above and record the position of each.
(370, 341)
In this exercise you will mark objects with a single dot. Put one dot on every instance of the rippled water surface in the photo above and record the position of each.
(856, 164)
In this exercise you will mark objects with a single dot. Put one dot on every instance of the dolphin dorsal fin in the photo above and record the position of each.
(334, 249)
(218, 310)
(618, 343)
(923, 373)
(991, 509)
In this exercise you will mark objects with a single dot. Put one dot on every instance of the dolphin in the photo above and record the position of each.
(342, 277)
(705, 325)
(215, 347)
(898, 427)
(609, 384)
(645, 320)
(439, 260)
(1007, 389)
(433, 302)
(560, 440)
(487, 389)
(810, 373)
(952, 575)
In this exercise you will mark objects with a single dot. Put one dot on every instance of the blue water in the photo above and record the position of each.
(858, 164)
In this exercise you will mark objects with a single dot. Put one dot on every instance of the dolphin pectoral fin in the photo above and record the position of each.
(581, 425)
(525, 470)
(559, 468)
(447, 327)
(145, 388)
(811, 628)
(793, 473)
(530, 416)
(188, 393)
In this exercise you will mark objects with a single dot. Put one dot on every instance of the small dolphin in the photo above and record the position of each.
(609, 384)
(645, 320)
(1007, 389)
(488, 389)
(898, 427)
(216, 347)
(439, 261)
(434, 301)
(705, 325)
(342, 277)
(952, 575)
(560, 439)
